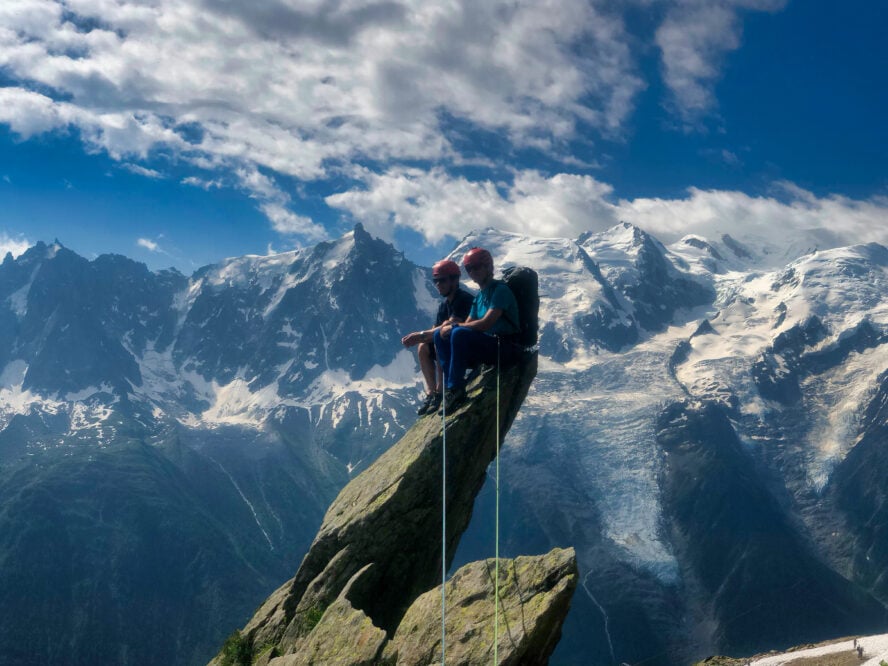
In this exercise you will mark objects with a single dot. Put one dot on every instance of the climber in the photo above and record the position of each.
(453, 309)
(482, 338)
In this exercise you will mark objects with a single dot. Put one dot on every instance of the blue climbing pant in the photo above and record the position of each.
(467, 348)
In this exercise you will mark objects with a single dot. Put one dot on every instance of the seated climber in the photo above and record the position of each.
(485, 337)
(453, 309)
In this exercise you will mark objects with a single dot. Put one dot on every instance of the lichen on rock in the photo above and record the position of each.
(534, 596)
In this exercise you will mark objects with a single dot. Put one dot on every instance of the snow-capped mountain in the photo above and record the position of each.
(707, 431)
(237, 343)
(168, 445)
(689, 445)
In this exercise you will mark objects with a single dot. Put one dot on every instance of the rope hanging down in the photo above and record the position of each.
(443, 524)
(496, 521)
(444, 521)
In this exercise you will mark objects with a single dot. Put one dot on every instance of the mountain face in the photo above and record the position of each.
(168, 445)
(719, 468)
(707, 431)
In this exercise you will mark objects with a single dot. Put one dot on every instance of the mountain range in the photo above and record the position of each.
(707, 428)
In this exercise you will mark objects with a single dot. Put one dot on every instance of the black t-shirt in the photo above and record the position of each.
(459, 307)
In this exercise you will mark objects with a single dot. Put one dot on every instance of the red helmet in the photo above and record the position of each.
(445, 268)
(477, 255)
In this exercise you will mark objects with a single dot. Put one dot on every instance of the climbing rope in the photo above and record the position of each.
(443, 523)
(497, 526)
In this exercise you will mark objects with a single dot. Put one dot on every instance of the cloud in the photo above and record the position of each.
(292, 89)
(289, 223)
(202, 183)
(142, 171)
(121, 134)
(440, 206)
(327, 24)
(835, 220)
(273, 203)
(15, 245)
(256, 94)
(693, 40)
(28, 113)
(148, 244)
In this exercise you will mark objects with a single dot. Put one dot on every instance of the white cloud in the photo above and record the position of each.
(288, 223)
(312, 89)
(15, 245)
(120, 134)
(290, 88)
(142, 171)
(693, 40)
(148, 244)
(439, 206)
(202, 183)
(29, 113)
(273, 203)
(836, 220)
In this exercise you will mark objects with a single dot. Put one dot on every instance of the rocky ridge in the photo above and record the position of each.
(365, 592)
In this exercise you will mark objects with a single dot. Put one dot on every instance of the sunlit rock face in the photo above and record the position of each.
(169, 444)
(371, 571)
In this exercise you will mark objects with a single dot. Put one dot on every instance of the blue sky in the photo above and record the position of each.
(182, 132)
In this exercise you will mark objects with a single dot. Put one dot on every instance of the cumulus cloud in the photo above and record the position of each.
(28, 113)
(148, 244)
(120, 133)
(334, 79)
(294, 89)
(439, 206)
(248, 92)
(836, 220)
(14, 245)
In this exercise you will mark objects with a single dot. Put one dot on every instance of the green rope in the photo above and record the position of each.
(496, 552)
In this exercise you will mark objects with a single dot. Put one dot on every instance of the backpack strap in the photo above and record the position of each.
(508, 336)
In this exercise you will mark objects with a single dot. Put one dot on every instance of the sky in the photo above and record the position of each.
(181, 132)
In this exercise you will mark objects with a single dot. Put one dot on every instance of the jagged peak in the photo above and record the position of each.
(37, 252)
(360, 234)
(700, 243)
(739, 250)
(623, 234)
(620, 243)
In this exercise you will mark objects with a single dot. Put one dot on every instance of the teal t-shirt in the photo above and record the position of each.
(493, 296)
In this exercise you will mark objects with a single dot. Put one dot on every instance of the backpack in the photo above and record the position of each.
(525, 284)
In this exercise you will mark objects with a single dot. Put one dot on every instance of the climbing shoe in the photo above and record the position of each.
(430, 404)
(453, 398)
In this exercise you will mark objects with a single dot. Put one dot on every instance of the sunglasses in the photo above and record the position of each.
(471, 268)
(439, 280)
